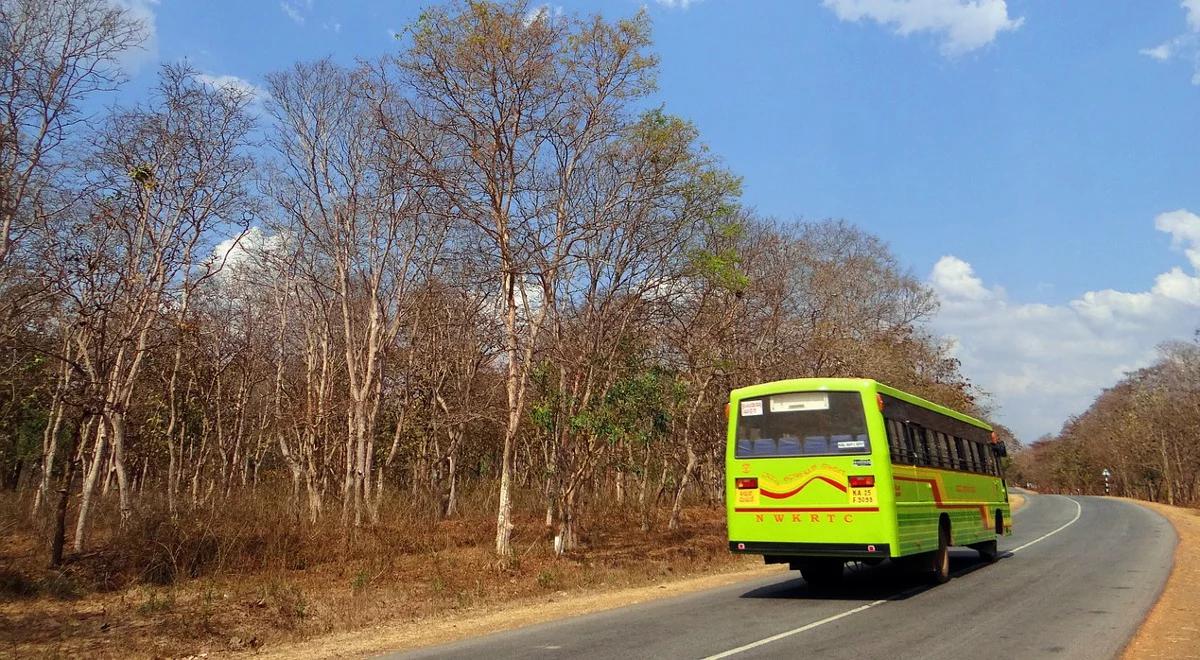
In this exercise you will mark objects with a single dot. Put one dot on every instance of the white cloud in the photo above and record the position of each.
(677, 4)
(255, 93)
(1185, 46)
(1192, 7)
(144, 12)
(1161, 52)
(955, 279)
(541, 11)
(964, 25)
(1184, 228)
(1045, 362)
(292, 11)
(247, 256)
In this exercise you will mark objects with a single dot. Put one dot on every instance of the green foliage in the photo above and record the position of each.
(143, 175)
(636, 408)
(155, 604)
(549, 579)
(359, 584)
(721, 268)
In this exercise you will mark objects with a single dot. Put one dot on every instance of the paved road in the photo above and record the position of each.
(1076, 579)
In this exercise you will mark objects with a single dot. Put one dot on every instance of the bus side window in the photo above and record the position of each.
(951, 453)
(895, 441)
(985, 459)
(935, 450)
(920, 445)
(960, 454)
(976, 464)
(944, 458)
(910, 443)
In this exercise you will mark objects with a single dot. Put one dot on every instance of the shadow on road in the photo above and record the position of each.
(887, 581)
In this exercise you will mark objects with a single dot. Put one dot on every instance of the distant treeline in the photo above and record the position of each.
(479, 262)
(1145, 431)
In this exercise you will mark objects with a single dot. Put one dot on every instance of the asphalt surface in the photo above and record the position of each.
(1075, 580)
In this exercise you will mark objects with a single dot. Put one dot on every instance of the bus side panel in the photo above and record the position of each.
(916, 515)
(970, 501)
(967, 506)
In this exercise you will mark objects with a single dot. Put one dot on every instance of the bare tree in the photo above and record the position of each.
(351, 194)
(165, 178)
(53, 54)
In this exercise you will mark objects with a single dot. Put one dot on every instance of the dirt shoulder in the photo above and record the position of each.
(1172, 630)
(420, 633)
(1016, 501)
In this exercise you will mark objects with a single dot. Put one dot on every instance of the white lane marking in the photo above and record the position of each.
(863, 608)
(1078, 512)
(789, 633)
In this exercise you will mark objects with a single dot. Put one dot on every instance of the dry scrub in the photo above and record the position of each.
(1172, 630)
(253, 579)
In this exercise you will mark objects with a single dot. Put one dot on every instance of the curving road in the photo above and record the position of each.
(1075, 580)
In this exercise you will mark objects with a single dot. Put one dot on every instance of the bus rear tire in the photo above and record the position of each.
(821, 573)
(940, 569)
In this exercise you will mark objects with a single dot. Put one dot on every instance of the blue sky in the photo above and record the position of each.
(1024, 157)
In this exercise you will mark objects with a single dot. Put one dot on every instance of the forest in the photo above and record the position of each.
(1141, 430)
(485, 277)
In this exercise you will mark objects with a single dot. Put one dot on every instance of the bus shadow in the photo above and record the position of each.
(886, 581)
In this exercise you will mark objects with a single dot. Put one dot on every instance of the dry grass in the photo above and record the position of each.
(245, 578)
(483, 620)
(1172, 630)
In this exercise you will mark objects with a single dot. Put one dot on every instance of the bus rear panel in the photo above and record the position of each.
(809, 474)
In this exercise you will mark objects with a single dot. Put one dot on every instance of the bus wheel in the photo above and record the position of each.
(820, 573)
(941, 558)
(987, 550)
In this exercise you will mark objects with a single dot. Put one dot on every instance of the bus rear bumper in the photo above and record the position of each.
(787, 550)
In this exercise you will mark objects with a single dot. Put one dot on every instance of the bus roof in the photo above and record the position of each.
(849, 384)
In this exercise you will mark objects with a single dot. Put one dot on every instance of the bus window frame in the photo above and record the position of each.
(946, 445)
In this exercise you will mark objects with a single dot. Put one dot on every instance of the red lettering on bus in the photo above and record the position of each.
(816, 517)
(831, 517)
(758, 517)
(779, 517)
(849, 518)
(795, 517)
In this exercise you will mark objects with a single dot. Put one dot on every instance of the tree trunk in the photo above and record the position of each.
(118, 454)
(89, 486)
(58, 537)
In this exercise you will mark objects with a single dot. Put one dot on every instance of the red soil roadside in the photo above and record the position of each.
(1172, 630)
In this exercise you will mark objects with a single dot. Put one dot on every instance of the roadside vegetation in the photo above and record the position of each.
(449, 326)
(1142, 430)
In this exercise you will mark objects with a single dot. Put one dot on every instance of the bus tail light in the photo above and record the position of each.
(744, 483)
(867, 481)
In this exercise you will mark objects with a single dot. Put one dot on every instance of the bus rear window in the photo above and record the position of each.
(802, 424)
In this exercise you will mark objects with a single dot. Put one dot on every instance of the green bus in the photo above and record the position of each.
(821, 471)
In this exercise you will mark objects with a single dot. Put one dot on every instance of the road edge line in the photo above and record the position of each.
(796, 631)
(1043, 537)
